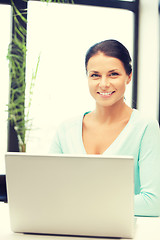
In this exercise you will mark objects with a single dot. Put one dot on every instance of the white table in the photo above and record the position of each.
(147, 228)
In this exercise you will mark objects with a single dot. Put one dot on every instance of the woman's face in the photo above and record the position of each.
(107, 79)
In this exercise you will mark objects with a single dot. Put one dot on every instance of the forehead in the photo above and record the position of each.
(100, 62)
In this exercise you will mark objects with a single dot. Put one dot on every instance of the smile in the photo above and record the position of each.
(105, 93)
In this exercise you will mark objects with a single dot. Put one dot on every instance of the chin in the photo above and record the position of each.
(109, 103)
(105, 104)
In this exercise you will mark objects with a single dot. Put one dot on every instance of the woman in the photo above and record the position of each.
(114, 128)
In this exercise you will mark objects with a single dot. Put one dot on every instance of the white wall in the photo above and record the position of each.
(148, 76)
(63, 36)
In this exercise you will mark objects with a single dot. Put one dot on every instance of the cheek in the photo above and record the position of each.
(92, 87)
(122, 87)
(120, 84)
(90, 84)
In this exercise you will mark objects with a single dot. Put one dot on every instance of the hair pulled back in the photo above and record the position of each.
(111, 48)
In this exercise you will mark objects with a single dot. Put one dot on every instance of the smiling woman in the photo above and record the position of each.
(109, 71)
(108, 67)
(114, 128)
(106, 76)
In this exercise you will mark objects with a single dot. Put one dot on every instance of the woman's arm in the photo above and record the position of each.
(147, 202)
(55, 145)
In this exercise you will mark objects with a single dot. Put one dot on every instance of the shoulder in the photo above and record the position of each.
(144, 125)
(70, 124)
(65, 132)
(141, 119)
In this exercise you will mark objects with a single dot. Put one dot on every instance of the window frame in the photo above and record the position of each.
(12, 137)
(7, 2)
(159, 64)
(131, 6)
(127, 5)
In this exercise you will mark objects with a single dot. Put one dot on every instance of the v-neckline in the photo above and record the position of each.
(117, 138)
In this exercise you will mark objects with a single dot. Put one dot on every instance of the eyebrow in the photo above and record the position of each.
(93, 71)
(113, 70)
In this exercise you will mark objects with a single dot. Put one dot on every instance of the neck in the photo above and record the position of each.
(112, 113)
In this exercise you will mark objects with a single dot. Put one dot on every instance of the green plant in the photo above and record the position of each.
(17, 110)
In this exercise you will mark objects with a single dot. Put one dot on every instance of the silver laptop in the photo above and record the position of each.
(87, 195)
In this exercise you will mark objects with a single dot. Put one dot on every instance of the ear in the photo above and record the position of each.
(129, 78)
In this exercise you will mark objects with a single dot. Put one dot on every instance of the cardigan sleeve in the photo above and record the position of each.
(56, 144)
(147, 202)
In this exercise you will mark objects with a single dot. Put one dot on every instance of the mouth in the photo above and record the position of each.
(105, 93)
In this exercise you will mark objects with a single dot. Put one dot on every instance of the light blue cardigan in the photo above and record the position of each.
(140, 139)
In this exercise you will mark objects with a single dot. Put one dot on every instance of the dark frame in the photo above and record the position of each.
(159, 64)
(131, 6)
(13, 145)
(7, 2)
(12, 137)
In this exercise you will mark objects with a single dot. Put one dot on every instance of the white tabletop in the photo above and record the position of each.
(147, 228)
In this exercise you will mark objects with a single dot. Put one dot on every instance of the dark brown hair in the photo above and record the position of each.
(111, 48)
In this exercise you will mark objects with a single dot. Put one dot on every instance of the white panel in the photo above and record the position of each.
(62, 33)
(148, 58)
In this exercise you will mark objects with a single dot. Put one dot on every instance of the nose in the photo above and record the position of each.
(104, 83)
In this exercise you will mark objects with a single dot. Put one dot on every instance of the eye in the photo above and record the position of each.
(114, 74)
(94, 76)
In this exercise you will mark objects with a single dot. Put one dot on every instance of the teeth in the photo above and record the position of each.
(105, 94)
